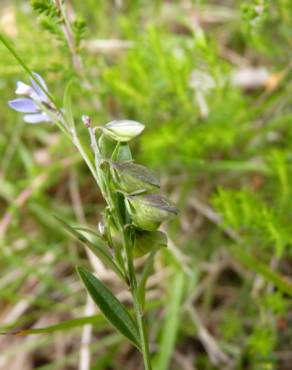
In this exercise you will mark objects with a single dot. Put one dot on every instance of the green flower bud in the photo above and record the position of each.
(130, 177)
(148, 241)
(149, 211)
(123, 130)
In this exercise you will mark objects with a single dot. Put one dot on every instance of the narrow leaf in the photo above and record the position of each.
(65, 325)
(282, 283)
(96, 245)
(170, 328)
(110, 306)
(145, 274)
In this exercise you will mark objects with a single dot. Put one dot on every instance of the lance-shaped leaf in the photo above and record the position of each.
(144, 277)
(62, 326)
(95, 244)
(131, 177)
(110, 306)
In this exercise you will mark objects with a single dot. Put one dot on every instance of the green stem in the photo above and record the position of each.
(142, 329)
(137, 305)
(67, 29)
(7, 44)
(84, 155)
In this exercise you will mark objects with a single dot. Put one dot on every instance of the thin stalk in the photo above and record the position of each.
(67, 29)
(75, 55)
(78, 145)
(137, 306)
(141, 327)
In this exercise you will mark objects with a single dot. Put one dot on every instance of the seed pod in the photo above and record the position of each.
(123, 130)
(131, 177)
(148, 241)
(149, 211)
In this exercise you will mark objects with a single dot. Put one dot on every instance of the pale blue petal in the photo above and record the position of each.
(23, 105)
(36, 118)
(37, 87)
(23, 89)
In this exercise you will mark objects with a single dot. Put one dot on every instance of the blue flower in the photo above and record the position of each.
(33, 97)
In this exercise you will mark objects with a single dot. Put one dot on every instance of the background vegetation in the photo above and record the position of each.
(212, 82)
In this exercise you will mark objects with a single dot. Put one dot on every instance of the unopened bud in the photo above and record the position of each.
(149, 211)
(148, 241)
(131, 177)
(123, 130)
(86, 120)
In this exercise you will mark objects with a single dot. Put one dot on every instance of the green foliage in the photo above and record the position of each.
(228, 170)
(95, 243)
(46, 7)
(79, 29)
(170, 327)
(255, 12)
(109, 305)
(50, 16)
(258, 224)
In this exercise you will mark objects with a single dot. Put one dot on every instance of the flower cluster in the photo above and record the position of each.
(145, 207)
(130, 189)
(134, 211)
(34, 100)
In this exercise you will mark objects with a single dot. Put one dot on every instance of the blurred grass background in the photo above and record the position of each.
(212, 82)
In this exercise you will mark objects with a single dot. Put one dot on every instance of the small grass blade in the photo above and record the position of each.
(169, 330)
(145, 274)
(65, 325)
(282, 283)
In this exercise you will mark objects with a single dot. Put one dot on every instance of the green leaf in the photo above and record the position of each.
(45, 7)
(65, 325)
(145, 274)
(96, 245)
(79, 28)
(110, 306)
(170, 328)
(282, 283)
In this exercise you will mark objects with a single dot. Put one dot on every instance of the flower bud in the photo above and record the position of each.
(131, 177)
(149, 211)
(148, 241)
(123, 130)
